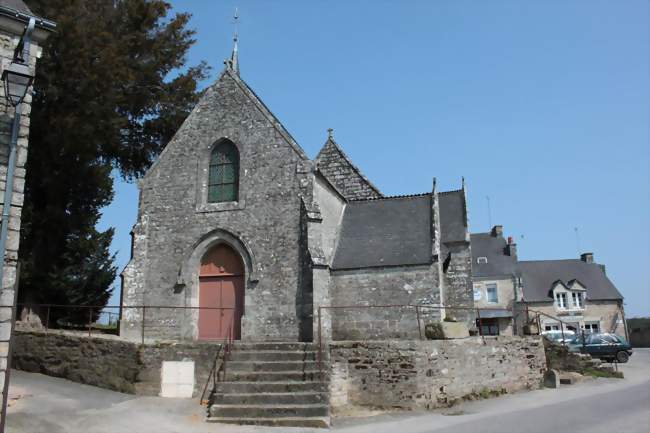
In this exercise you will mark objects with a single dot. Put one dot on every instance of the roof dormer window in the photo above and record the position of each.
(481, 260)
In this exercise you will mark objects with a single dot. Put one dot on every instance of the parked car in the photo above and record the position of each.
(608, 347)
(557, 336)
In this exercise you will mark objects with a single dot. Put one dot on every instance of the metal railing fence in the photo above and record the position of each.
(418, 314)
(68, 317)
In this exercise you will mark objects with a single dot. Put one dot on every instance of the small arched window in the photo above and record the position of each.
(223, 178)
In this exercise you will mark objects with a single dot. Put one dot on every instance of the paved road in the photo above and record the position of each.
(42, 404)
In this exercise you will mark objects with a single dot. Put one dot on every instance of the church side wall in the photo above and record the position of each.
(403, 285)
(266, 219)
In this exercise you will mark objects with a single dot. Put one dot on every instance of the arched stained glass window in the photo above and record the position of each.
(223, 179)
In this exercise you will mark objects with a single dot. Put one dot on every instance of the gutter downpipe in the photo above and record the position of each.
(6, 211)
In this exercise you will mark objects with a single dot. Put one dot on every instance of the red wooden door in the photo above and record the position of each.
(226, 294)
(221, 294)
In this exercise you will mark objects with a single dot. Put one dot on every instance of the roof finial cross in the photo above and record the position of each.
(330, 133)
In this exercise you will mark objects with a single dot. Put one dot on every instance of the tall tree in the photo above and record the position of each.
(111, 89)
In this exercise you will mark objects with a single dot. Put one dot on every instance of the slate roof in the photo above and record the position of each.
(385, 232)
(539, 276)
(17, 5)
(335, 164)
(453, 216)
(493, 248)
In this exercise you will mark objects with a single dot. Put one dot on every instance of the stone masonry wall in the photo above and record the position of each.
(174, 217)
(608, 314)
(8, 42)
(343, 174)
(429, 374)
(106, 362)
(457, 282)
(404, 285)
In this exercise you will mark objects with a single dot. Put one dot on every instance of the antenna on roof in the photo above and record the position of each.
(487, 197)
(575, 229)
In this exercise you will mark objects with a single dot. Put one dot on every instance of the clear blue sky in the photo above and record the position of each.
(542, 106)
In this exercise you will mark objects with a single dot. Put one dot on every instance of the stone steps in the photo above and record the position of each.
(272, 366)
(275, 346)
(273, 355)
(275, 398)
(272, 376)
(270, 387)
(275, 383)
(269, 410)
(314, 422)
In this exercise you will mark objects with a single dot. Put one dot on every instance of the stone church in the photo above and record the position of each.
(236, 219)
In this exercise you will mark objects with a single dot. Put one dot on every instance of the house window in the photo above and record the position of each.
(591, 327)
(481, 260)
(223, 178)
(560, 298)
(492, 295)
(577, 300)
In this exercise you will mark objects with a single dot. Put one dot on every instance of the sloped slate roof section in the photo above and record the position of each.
(17, 5)
(492, 248)
(539, 276)
(341, 172)
(453, 216)
(385, 232)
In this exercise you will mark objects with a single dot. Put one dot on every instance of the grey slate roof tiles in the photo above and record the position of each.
(453, 221)
(492, 248)
(538, 277)
(385, 232)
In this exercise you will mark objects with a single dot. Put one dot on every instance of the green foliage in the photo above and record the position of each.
(108, 96)
(602, 372)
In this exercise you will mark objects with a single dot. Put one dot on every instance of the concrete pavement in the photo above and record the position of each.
(42, 404)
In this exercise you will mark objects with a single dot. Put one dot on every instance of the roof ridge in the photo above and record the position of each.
(389, 197)
(449, 192)
(349, 161)
(266, 112)
(556, 260)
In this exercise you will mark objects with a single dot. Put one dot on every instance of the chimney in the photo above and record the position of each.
(511, 248)
(497, 231)
(587, 257)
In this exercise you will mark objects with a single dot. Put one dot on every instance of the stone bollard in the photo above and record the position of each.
(551, 379)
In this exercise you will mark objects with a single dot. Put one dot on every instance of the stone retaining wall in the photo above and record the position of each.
(108, 362)
(428, 374)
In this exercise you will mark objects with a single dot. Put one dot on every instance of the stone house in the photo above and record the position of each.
(494, 274)
(576, 291)
(14, 19)
(235, 216)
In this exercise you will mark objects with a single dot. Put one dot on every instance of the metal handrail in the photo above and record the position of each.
(539, 325)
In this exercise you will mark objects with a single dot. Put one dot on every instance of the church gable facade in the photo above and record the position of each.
(240, 235)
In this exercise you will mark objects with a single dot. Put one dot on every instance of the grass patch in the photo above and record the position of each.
(602, 373)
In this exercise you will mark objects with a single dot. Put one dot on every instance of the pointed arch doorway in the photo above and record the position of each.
(221, 287)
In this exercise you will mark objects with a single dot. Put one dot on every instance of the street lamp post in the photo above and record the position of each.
(17, 78)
